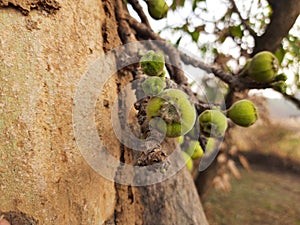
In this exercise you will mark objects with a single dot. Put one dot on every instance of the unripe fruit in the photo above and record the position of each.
(243, 113)
(153, 85)
(279, 86)
(212, 123)
(263, 67)
(174, 108)
(189, 162)
(244, 71)
(153, 63)
(210, 144)
(180, 139)
(194, 150)
(157, 9)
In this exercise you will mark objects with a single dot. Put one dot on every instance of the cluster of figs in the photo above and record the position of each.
(177, 116)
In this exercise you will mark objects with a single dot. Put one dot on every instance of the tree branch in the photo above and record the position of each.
(222, 75)
(293, 99)
(139, 10)
(236, 83)
(285, 13)
(124, 30)
(147, 33)
(143, 29)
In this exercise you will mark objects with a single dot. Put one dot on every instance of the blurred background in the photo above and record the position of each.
(256, 176)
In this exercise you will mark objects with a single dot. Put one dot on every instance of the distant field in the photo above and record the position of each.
(259, 198)
(270, 193)
(281, 138)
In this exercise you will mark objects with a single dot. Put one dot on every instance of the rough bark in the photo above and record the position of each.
(172, 202)
(43, 177)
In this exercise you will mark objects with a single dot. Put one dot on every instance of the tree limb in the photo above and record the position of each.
(236, 83)
(145, 32)
(221, 74)
(139, 10)
(285, 13)
(293, 99)
(124, 30)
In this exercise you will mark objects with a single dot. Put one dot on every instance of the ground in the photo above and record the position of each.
(261, 197)
(268, 194)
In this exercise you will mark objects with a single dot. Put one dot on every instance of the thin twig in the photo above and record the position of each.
(173, 54)
(139, 10)
(244, 22)
(293, 99)
(174, 58)
(250, 8)
(225, 77)
(143, 31)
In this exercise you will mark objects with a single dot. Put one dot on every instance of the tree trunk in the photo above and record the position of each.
(44, 179)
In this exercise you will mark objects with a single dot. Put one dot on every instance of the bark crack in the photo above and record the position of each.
(49, 6)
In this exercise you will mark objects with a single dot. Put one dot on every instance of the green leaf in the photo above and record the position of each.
(177, 3)
(173, 6)
(194, 6)
(203, 49)
(195, 35)
(236, 31)
(294, 43)
(178, 41)
(192, 83)
(280, 52)
(185, 28)
(297, 80)
(215, 51)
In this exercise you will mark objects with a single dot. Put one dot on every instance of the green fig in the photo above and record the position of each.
(176, 112)
(243, 113)
(153, 63)
(279, 86)
(157, 9)
(212, 123)
(180, 139)
(263, 67)
(194, 150)
(245, 68)
(153, 85)
(210, 144)
(189, 162)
